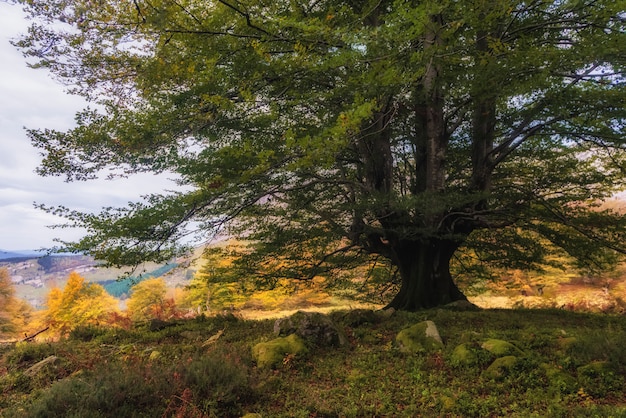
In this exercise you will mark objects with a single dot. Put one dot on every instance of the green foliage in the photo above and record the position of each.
(601, 347)
(87, 332)
(146, 390)
(148, 300)
(29, 353)
(328, 132)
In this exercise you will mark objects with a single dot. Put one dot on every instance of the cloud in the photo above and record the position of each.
(31, 98)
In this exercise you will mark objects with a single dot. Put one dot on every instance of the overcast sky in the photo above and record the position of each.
(31, 98)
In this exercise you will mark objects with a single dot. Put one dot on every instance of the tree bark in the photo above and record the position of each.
(425, 272)
(436, 139)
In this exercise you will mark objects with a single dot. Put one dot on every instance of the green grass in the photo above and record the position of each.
(572, 365)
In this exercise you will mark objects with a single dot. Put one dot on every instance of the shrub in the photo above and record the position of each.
(219, 383)
(207, 385)
(29, 353)
(87, 332)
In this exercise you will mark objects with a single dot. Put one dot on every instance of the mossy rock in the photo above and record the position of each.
(463, 355)
(500, 367)
(421, 337)
(559, 380)
(314, 327)
(501, 348)
(271, 353)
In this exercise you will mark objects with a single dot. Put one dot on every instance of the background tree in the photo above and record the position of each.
(78, 304)
(15, 314)
(327, 132)
(148, 300)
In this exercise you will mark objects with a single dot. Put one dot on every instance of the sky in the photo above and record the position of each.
(31, 98)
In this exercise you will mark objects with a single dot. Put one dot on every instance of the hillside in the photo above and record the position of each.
(16, 256)
(33, 277)
(550, 363)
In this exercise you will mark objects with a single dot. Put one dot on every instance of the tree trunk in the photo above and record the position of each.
(425, 271)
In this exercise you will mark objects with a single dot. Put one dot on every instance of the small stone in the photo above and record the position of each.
(36, 368)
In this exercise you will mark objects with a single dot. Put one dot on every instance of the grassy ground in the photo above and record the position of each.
(570, 365)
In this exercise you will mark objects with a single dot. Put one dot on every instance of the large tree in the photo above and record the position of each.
(325, 130)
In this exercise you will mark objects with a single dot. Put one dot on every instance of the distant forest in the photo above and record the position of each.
(120, 288)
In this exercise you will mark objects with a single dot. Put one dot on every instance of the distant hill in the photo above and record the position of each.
(19, 255)
(35, 273)
(63, 263)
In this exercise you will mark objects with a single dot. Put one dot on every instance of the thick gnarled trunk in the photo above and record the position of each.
(425, 272)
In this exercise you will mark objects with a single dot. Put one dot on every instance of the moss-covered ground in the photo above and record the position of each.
(568, 365)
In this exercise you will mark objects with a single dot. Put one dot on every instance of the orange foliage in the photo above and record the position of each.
(78, 304)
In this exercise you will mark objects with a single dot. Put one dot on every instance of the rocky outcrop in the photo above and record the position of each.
(315, 328)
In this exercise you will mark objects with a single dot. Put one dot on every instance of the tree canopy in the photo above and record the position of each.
(148, 300)
(78, 304)
(326, 132)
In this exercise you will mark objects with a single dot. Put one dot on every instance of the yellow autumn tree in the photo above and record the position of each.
(148, 300)
(218, 285)
(78, 304)
(14, 312)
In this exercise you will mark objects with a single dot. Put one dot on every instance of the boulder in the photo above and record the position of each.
(313, 327)
(272, 353)
(500, 367)
(501, 348)
(421, 337)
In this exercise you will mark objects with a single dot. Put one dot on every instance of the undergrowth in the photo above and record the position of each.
(572, 365)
